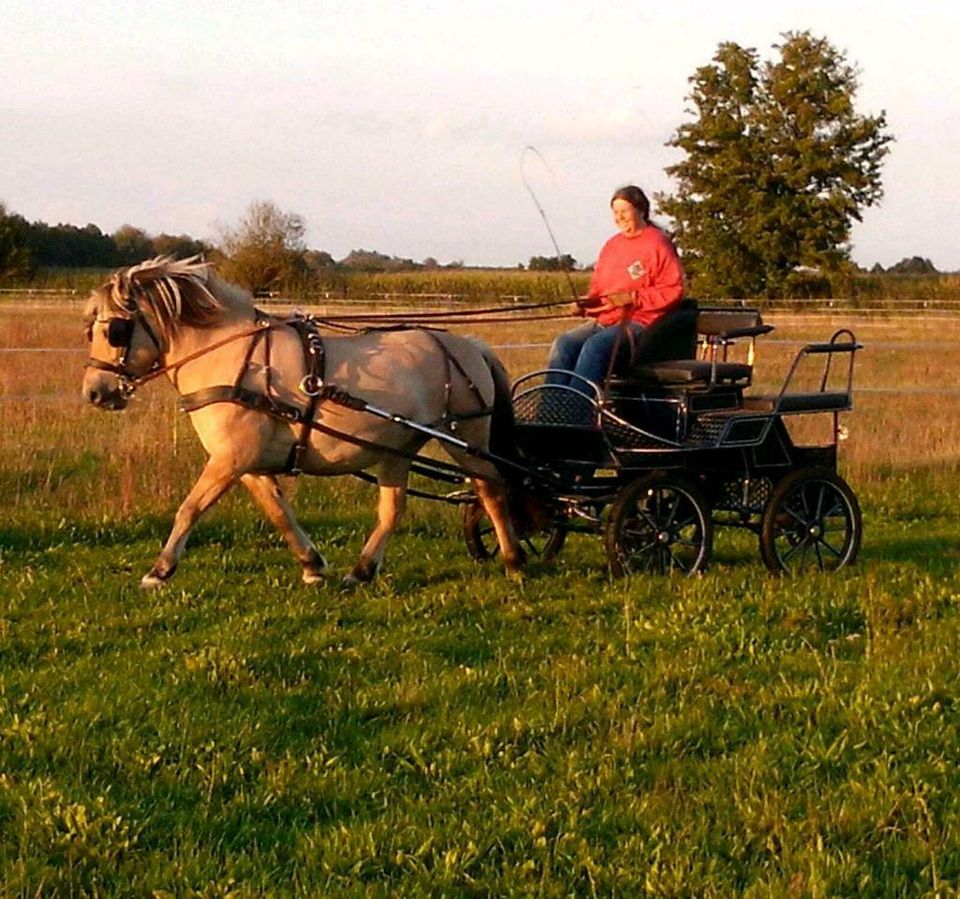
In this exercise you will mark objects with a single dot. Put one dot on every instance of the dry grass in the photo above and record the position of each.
(147, 456)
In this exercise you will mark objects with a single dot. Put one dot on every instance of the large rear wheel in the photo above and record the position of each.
(659, 524)
(811, 522)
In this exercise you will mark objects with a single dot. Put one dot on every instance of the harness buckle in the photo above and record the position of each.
(311, 385)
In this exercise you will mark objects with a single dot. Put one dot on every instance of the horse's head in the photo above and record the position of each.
(129, 322)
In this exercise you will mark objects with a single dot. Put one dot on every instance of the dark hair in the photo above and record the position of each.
(636, 198)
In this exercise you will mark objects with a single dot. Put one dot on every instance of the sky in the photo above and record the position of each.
(401, 127)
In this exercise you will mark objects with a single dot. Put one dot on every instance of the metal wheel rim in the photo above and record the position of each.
(815, 528)
(664, 533)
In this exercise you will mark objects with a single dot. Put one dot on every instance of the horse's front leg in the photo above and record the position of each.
(392, 502)
(266, 491)
(216, 478)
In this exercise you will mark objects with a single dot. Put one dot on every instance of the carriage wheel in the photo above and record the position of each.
(810, 523)
(538, 543)
(659, 524)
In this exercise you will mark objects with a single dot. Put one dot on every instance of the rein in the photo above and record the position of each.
(447, 315)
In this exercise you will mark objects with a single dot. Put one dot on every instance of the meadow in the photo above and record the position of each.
(445, 731)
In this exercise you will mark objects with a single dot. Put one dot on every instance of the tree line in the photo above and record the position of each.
(26, 247)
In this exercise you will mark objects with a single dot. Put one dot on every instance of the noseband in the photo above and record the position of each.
(120, 330)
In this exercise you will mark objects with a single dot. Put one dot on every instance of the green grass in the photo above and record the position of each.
(447, 731)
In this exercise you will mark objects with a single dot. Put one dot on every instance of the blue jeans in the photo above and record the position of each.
(586, 351)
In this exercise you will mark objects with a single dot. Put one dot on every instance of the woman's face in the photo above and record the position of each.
(626, 217)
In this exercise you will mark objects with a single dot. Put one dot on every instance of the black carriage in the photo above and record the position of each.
(662, 453)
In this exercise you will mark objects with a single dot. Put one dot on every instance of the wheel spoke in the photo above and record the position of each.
(639, 533)
(692, 520)
(836, 552)
(816, 549)
(679, 562)
(673, 512)
(793, 549)
(798, 518)
(692, 544)
(817, 515)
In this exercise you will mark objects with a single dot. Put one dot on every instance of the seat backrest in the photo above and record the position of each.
(714, 322)
(672, 336)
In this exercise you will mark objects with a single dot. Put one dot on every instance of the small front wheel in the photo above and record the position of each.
(543, 541)
(811, 522)
(659, 524)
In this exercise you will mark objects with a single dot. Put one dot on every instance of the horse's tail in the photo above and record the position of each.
(502, 422)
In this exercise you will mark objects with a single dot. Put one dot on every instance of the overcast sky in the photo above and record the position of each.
(400, 127)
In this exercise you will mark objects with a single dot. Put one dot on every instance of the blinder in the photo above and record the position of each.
(120, 332)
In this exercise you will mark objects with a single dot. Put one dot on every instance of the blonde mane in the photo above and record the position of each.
(184, 291)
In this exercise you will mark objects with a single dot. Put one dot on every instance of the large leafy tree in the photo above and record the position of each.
(266, 250)
(778, 166)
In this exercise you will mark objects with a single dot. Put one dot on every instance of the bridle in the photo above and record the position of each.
(120, 331)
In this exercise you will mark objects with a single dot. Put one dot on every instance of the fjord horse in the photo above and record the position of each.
(268, 396)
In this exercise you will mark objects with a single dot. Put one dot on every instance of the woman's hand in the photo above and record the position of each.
(619, 300)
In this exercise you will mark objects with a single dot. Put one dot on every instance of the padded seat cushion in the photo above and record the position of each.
(691, 371)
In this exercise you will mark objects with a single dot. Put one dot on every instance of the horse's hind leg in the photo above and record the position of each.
(215, 480)
(493, 498)
(266, 491)
(392, 502)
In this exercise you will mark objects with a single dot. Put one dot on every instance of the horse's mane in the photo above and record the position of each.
(179, 292)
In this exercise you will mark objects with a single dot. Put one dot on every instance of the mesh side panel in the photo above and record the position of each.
(554, 406)
(624, 436)
(732, 499)
(705, 431)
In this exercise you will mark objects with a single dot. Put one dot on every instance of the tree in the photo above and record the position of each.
(778, 166)
(15, 258)
(564, 263)
(180, 246)
(266, 250)
(133, 245)
(915, 265)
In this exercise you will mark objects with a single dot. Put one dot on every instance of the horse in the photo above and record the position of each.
(269, 396)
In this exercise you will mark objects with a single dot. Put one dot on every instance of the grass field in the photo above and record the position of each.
(446, 731)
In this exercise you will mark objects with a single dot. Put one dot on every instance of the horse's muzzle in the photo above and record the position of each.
(102, 392)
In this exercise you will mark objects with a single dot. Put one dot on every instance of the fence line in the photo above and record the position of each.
(768, 341)
(835, 305)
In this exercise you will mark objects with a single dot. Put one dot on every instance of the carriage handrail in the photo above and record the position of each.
(836, 344)
(597, 392)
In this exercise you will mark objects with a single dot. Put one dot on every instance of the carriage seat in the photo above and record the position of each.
(715, 330)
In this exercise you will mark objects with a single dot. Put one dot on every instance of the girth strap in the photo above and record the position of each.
(241, 396)
(311, 385)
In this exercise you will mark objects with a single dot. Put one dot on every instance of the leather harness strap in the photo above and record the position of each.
(314, 388)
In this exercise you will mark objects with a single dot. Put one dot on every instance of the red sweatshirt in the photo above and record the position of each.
(645, 265)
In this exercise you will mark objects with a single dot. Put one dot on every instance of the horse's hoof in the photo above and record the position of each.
(363, 573)
(313, 576)
(151, 581)
(514, 571)
(315, 570)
